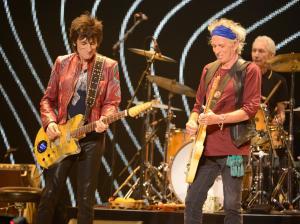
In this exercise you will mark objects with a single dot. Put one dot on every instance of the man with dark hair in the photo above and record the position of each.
(67, 95)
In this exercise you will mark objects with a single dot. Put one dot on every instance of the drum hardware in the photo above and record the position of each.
(152, 54)
(173, 87)
(279, 197)
(151, 186)
(289, 63)
(295, 109)
(148, 145)
(285, 63)
(259, 197)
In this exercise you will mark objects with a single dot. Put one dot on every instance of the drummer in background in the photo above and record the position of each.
(263, 49)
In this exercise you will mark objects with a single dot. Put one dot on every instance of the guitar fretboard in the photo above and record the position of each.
(91, 126)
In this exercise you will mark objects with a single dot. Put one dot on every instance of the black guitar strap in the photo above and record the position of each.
(97, 75)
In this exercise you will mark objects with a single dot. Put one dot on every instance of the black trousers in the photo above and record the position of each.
(208, 170)
(50, 209)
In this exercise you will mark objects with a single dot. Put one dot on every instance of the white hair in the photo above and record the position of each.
(270, 44)
(236, 28)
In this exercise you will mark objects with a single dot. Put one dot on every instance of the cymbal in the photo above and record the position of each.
(172, 85)
(285, 63)
(149, 54)
(159, 106)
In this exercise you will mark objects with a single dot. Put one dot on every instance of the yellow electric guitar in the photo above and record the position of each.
(49, 152)
(198, 143)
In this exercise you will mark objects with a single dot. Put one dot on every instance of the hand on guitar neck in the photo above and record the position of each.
(101, 126)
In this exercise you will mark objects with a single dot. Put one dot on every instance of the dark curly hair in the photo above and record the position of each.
(86, 26)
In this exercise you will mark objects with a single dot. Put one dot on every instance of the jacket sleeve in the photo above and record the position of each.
(252, 90)
(113, 92)
(48, 104)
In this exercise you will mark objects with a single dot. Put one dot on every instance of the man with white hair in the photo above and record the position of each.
(236, 100)
(263, 49)
(274, 93)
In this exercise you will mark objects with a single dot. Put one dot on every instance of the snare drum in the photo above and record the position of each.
(178, 186)
(278, 138)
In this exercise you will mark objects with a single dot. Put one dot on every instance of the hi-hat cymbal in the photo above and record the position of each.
(172, 85)
(149, 54)
(160, 106)
(285, 63)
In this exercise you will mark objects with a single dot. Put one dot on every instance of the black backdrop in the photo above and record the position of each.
(34, 33)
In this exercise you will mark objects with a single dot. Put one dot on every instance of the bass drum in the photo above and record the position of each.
(177, 174)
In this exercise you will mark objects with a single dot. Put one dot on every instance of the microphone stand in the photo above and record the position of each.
(115, 47)
(145, 72)
(117, 44)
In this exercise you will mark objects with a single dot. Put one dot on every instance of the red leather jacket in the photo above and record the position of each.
(61, 87)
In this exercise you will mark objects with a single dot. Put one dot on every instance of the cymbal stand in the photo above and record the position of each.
(135, 185)
(290, 147)
(288, 173)
(166, 145)
(260, 195)
(146, 122)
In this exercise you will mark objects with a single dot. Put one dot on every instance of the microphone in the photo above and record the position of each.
(140, 16)
(156, 47)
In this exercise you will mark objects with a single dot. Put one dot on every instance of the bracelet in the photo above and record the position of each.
(222, 119)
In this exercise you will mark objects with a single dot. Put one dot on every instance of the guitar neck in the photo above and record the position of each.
(91, 126)
(202, 128)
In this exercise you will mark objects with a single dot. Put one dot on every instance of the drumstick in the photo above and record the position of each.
(273, 91)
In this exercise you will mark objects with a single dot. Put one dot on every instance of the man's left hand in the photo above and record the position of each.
(100, 125)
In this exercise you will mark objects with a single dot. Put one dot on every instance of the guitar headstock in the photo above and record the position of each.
(142, 108)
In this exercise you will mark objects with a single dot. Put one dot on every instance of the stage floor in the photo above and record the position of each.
(176, 217)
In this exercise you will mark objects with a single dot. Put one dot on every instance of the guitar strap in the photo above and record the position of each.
(97, 75)
(234, 72)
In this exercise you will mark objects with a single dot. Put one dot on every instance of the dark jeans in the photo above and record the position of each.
(209, 168)
(88, 164)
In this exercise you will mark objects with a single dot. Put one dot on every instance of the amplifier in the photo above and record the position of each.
(23, 175)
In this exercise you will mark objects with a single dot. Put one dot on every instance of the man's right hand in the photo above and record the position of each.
(53, 131)
(191, 127)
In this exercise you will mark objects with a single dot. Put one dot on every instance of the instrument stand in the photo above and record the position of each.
(143, 180)
(150, 192)
(290, 171)
(166, 145)
(259, 200)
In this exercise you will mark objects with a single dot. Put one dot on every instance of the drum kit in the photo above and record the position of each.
(273, 184)
(166, 183)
